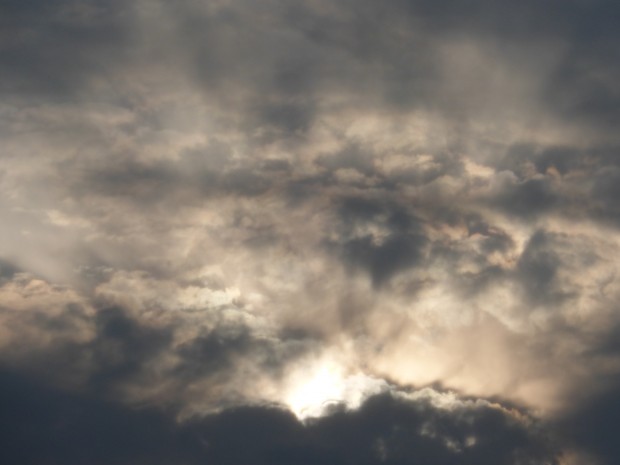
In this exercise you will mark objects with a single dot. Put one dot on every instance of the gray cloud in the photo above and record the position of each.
(209, 207)
(56, 50)
(71, 428)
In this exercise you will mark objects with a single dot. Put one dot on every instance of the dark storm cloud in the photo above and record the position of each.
(118, 352)
(122, 347)
(384, 430)
(384, 260)
(347, 48)
(217, 352)
(201, 173)
(585, 86)
(529, 198)
(537, 268)
(41, 424)
(570, 182)
(592, 425)
(55, 49)
(126, 352)
(594, 414)
(399, 245)
(285, 53)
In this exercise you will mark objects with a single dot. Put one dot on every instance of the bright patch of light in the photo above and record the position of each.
(313, 390)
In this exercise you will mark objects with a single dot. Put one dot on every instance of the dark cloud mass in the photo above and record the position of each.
(70, 429)
(335, 232)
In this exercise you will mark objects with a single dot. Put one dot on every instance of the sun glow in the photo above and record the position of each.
(313, 390)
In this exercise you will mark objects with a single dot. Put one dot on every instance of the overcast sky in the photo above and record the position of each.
(321, 232)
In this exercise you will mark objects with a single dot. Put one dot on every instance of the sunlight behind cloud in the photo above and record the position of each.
(313, 390)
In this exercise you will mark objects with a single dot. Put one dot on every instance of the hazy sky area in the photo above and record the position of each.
(309, 232)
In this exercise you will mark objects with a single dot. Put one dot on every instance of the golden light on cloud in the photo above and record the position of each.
(314, 389)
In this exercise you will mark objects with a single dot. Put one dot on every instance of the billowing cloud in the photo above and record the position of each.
(395, 220)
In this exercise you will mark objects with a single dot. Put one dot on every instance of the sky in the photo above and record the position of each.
(314, 232)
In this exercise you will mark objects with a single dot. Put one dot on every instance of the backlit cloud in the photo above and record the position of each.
(310, 232)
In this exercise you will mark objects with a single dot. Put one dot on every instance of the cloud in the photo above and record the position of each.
(72, 428)
(57, 50)
(213, 207)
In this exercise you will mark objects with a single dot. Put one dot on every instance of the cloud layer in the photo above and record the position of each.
(239, 215)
